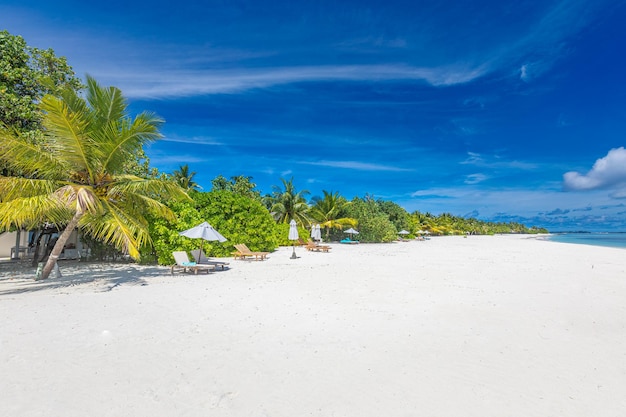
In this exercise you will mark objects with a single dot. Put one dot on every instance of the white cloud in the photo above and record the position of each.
(496, 162)
(607, 173)
(361, 166)
(532, 70)
(195, 140)
(475, 178)
(524, 73)
(162, 83)
(167, 160)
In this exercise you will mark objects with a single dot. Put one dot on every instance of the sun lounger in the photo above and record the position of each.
(314, 247)
(349, 241)
(201, 259)
(183, 262)
(243, 252)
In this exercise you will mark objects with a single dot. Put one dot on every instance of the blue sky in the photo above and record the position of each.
(500, 110)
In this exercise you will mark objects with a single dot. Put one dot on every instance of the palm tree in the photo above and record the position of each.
(184, 178)
(328, 209)
(75, 178)
(288, 204)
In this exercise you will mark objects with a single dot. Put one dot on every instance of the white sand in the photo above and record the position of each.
(479, 326)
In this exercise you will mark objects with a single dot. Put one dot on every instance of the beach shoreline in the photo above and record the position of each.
(474, 326)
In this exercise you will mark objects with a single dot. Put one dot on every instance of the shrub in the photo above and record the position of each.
(240, 219)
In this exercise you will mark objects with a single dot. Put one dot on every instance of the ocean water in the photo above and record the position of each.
(614, 240)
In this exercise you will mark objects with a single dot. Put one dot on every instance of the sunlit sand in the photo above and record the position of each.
(453, 326)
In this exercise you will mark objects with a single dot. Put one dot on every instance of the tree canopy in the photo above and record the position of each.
(287, 203)
(26, 75)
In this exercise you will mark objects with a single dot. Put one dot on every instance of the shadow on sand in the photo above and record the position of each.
(18, 277)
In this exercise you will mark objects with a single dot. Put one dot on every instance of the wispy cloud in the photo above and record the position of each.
(171, 160)
(488, 161)
(373, 42)
(608, 172)
(557, 212)
(195, 140)
(355, 165)
(475, 178)
(147, 83)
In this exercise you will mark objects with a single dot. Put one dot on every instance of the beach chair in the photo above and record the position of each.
(314, 247)
(349, 241)
(201, 259)
(243, 252)
(183, 262)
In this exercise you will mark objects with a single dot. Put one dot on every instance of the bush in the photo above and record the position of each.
(374, 224)
(238, 218)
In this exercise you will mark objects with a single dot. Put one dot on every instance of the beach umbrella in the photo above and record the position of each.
(293, 235)
(351, 231)
(403, 232)
(318, 232)
(203, 231)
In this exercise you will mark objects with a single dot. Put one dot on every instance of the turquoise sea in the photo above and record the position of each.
(614, 240)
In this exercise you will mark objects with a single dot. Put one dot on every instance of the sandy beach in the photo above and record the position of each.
(480, 326)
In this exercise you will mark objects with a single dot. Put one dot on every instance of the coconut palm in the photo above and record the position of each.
(75, 178)
(328, 211)
(184, 178)
(286, 204)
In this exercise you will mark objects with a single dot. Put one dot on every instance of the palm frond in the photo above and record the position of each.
(148, 187)
(68, 132)
(125, 232)
(109, 102)
(80, 198)
(31, 211)
(18, 187)
(126, 137)
(28, 158)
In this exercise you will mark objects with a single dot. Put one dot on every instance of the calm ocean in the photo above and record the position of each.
(614, 240)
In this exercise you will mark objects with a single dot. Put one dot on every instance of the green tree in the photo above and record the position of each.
(26, 75)
(184, 178)
(397, 214)
(288, 203)
(239, 184)
(75, 177)
(374, 224)
(330, 212)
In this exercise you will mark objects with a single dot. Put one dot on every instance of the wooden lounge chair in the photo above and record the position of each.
(183, 262)
(243, 252)
(314, 247)
(201, 259)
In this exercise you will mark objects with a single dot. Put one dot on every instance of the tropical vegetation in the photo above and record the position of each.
(287, 203)
(184, 178)
(74, 176)
(330, 212)
(26, 75)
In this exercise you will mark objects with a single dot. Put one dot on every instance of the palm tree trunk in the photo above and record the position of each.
(58, 247)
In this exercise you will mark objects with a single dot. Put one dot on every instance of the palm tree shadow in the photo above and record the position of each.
(102, 277)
